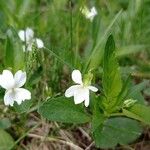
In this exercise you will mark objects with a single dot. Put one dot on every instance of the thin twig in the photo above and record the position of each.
(72, 145)
(62, 133)
(89, 147)
(24, 135)
(85, 133)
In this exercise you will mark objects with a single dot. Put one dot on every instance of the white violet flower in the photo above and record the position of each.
(80, 91)
(89, 14)
(13, 85)
(28, 37)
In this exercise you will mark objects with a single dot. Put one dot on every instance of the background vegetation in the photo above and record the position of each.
(71, 41)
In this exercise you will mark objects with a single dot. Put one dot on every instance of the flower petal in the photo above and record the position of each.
(39, 43)
(20, 78)
(93, 11)
(80, 95)
(77, 77)
(86, 97)
(71, 90)
(21, 35)
(29, 34)
(7, 79)
(9, 98)
(21, 94)
(18, 95)
(93, 88)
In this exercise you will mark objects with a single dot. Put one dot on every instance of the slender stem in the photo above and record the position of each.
(56, 140)
(117, 114)
(59, 58)
(24, 135)
(71, 28)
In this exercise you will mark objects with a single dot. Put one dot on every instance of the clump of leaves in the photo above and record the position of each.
(116, 115)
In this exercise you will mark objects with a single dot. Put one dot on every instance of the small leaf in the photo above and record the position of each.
(5, 123)
(63, 110)
(23, 107)
(118, 130)
(139, 112)
(97, 121)
(6, 141)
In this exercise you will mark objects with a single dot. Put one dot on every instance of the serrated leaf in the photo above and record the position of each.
(111, 80)
(6, 141)
(63, 110)
(23, 107)
(139, 112)
(98, 119)
(14, 56)
(117, 130)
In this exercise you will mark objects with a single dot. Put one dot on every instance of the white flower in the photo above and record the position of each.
(89, 14)
(13, 85)
(80, 91)
(28, 37)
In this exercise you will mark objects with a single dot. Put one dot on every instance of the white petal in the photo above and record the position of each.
(9, 98)
(93, 88)
(71, 90)
(93, 11)
(39, 43)
(20, 78)
(29, 34)
(80, 95)
(18, 95)
(21, 35)
(21, 94)
(92, 14)
(7, 79)
(86, 97)
(77, 77)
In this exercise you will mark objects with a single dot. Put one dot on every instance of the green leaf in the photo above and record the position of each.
(139, 112)
(135, 92)
(126, 50)
(23, 107)
(6, 141)
(5, 123)
(118, 130)
(14, 56)
(98, 119)
(63, 110)
(111, 80)
(97, 52)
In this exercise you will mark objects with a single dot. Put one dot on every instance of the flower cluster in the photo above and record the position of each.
(14, 92)
(27, 36)
(89, 14)
(13, 85)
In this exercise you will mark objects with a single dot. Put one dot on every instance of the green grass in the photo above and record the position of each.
(73, 42)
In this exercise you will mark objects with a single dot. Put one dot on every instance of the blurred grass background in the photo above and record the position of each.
(72, 41)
